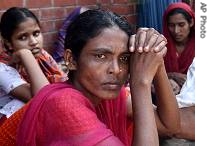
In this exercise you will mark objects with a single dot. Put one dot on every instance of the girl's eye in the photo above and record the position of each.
(22, 37)
(100, 56)
(36, 33)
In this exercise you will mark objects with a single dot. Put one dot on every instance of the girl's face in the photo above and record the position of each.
(102, 67)
(179, 28)
(28, 36)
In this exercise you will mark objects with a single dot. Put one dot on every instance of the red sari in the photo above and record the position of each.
(174, 63)
(61, 115)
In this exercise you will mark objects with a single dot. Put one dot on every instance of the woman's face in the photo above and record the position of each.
(179, 28)
(28, 36)
(102, 67)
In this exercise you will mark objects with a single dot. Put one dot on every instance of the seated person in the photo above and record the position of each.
(12, 85)
(100, 59)
(17, 33)
(20, 93)
(186, 102)
(179, 29)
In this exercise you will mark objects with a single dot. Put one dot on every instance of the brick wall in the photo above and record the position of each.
(51, 13)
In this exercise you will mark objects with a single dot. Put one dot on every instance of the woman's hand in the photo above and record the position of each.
(148, 39)
(143, 66)
(148, 47)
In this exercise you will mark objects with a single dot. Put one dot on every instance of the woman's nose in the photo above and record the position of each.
(114, 68)
(177, 29)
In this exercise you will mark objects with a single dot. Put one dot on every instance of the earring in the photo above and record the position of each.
(67, 63)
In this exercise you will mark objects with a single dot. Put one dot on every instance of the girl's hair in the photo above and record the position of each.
(12, 18)
(186, 15)
(90, 24)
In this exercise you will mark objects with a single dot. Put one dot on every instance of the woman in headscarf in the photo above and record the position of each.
(179, 30)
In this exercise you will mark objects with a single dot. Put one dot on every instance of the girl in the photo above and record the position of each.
(20, 28)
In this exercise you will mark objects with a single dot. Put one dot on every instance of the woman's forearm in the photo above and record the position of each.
(145, 130)
(167, 107)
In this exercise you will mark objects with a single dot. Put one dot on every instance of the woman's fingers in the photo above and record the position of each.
(132, 43)
(151, 43)
(140, 40)
(147, 39)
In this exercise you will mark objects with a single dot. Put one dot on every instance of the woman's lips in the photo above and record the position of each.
(112, 86)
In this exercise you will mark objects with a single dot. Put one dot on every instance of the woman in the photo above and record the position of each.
(98, 57)
(179, 29)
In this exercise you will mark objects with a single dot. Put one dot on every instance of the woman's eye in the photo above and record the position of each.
(182, 24)
(100, 56)
(124, 59)
(171, 25)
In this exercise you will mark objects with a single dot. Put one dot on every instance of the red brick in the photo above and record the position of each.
(60, 3)
(47, 13)
(36, 12)
(59, 13)
(120, 1)
(49, 39)
(132, 19)
(47, 26)
(104, 2)
(53, 13)
(69, 10)
(87, 2)
(38, 3)
(58, 24)
(123, 9)
(5, 4)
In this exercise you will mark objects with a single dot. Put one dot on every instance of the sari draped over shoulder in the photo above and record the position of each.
(181, 63)
(113, 114)
(61, 115)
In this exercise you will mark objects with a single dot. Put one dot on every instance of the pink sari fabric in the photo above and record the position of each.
(174, 63)
(61, 115)
(113, 114)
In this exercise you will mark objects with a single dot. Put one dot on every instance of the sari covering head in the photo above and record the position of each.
(61, 115)
(173, 63)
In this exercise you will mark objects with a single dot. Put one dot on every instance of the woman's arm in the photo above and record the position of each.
(142, 70)
(187, 116)
(167, 112)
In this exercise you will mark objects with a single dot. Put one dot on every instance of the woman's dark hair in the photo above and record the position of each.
(90, 24)
(180, 11)
(12, 18)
